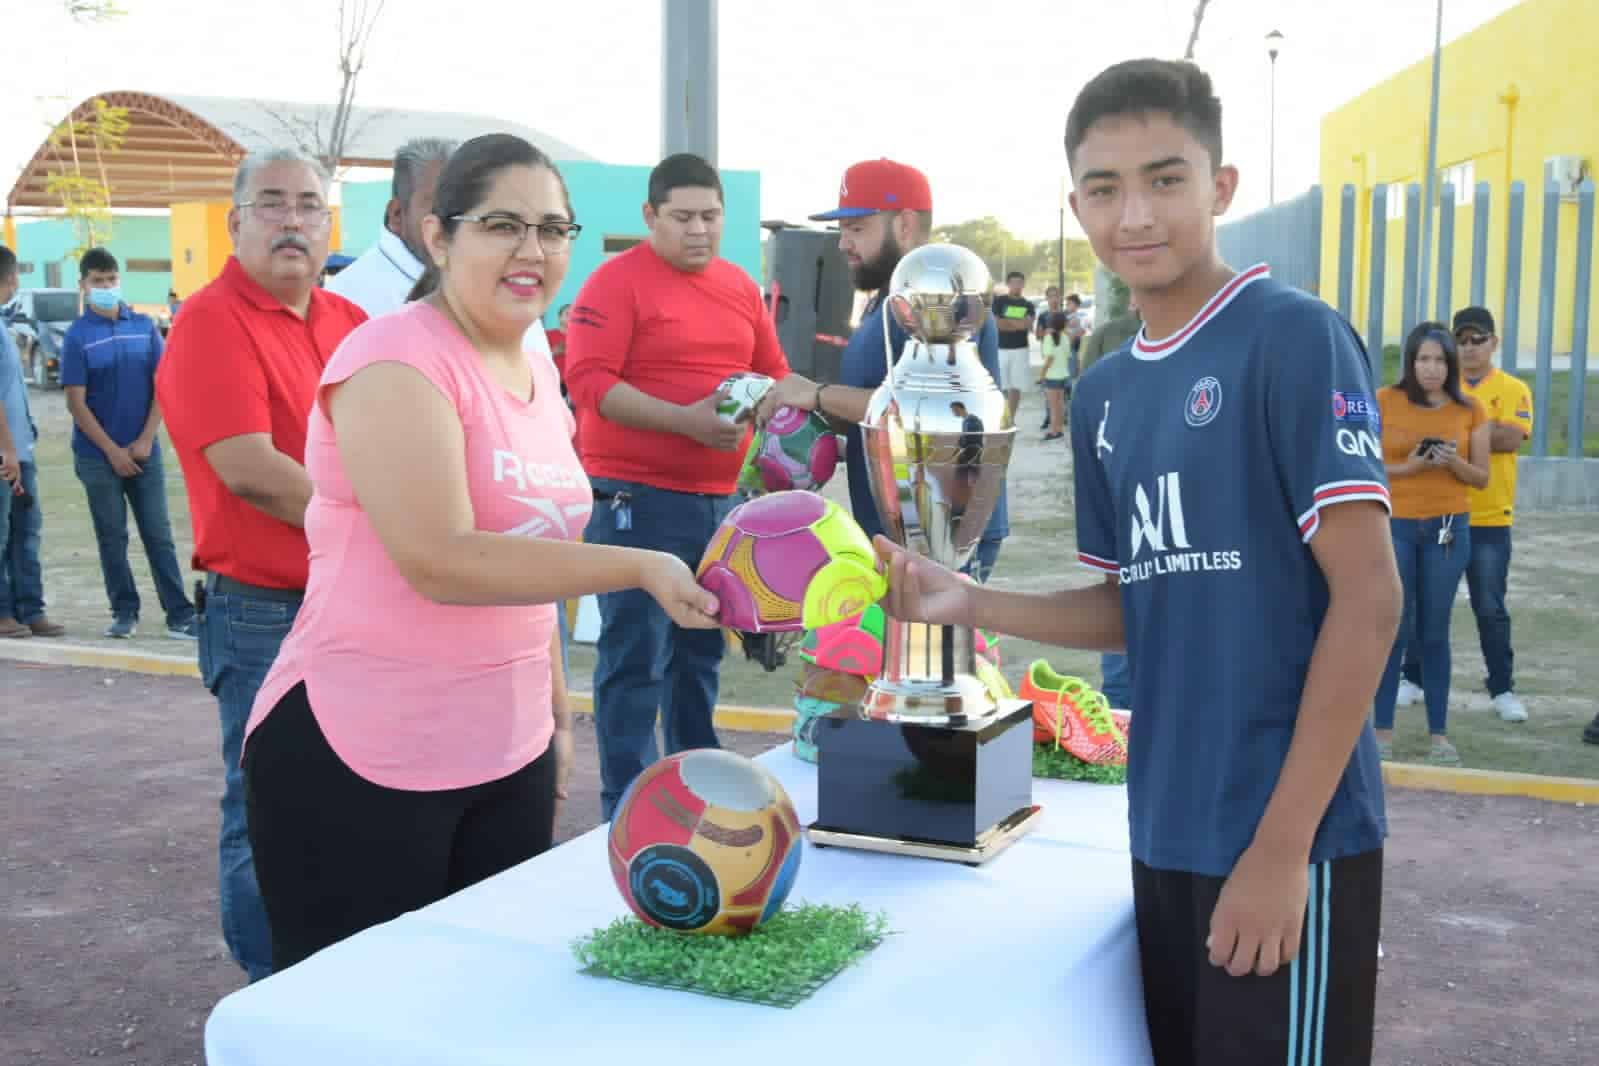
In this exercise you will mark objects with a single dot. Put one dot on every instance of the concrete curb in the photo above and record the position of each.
(51, 652)
(778, 720)
(1490, 783)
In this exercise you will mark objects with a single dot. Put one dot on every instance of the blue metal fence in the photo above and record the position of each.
(1288, 237)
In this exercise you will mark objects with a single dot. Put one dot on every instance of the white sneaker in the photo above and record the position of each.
(1509, 707)
(1409, 693)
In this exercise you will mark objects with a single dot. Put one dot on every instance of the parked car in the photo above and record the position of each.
(38, 321)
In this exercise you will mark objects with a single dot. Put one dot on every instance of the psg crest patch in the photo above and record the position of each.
(1204, 402)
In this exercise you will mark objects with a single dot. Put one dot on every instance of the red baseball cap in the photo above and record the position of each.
(879, 185)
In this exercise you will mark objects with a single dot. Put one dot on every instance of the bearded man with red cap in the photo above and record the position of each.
(885, 209)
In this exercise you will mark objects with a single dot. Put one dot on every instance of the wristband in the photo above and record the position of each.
(816, 402)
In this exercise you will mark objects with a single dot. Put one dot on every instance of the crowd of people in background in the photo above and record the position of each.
(395, 477)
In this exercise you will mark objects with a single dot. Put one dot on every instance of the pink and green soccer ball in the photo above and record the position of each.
(796, 450)
(789, 562)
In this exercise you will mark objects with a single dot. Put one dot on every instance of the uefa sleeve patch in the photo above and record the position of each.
(1355, 408)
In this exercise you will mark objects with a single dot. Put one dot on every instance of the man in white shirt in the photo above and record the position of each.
(380, 280)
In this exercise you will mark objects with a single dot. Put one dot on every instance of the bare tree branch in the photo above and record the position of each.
(1193, 35)
(357, 20)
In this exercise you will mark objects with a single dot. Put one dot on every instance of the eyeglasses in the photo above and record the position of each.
(1472, 339)
(277, 212)
(555, 238)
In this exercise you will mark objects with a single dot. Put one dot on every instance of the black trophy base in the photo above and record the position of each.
(961, 792)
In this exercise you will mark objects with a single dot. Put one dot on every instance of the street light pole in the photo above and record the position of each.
(1422, 301)
(1060, 243)
(1274, 44)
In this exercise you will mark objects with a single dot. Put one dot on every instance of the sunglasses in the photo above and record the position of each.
(1472, 339)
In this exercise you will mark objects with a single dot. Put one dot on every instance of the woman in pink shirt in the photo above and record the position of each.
(413, 736)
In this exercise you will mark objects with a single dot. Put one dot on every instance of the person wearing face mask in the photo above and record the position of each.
(1435, 442)
(237, 384)
(413, 736)
(109, 360)
(652, 335)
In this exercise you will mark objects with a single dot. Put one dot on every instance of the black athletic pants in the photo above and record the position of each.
(1316, 1011)
(336, 854)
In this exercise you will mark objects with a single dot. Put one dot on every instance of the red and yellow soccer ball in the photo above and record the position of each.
(705, 842)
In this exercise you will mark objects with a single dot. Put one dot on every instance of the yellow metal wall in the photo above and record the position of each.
(200, 244)
(1512, 93)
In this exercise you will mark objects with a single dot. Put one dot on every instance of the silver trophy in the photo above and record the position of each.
(938, 440)
(931, 764)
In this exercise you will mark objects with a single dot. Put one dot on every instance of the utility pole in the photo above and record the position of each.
(1422, 290)
(688, 78)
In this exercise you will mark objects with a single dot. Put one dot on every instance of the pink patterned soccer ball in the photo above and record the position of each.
(788, 562)
(797, 450)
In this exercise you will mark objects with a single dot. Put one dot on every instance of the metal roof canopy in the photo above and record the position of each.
(184, 148)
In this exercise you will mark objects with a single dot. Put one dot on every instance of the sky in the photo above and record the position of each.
(976, 96)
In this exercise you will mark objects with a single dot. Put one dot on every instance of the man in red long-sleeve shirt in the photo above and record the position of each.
(652, 335)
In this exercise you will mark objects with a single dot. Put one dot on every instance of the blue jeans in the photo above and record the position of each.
(21, 580)
(1116, 680)
(1487, 577)
(644, 662)
(1430, 573)
(239, 638)
(110, 496)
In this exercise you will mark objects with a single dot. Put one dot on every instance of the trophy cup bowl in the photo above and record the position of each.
(931, 763)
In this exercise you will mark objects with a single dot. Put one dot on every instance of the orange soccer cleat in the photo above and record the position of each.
(1069, 713)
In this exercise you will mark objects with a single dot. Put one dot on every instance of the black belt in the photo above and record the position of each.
(222, 585)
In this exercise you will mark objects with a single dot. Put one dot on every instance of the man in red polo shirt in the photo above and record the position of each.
(652, 335)
(236, 386)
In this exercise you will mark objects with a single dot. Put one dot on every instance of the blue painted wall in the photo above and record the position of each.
(132, 237)
(609, 201)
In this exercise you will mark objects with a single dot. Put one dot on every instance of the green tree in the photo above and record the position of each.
(93, 10)
(79, 147)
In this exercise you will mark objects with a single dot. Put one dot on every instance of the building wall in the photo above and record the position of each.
(136, 240)
(200, 244)
(1538, 54)
(609, 202)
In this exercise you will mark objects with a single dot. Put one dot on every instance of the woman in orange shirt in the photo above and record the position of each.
(1435, 443)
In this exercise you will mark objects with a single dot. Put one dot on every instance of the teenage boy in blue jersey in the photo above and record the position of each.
(1230, 487)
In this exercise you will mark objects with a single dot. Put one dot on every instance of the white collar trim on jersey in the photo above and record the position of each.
(1143, 348)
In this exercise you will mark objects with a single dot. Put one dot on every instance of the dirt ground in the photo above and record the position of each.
(109, 950)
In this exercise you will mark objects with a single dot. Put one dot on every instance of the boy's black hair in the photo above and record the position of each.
(8, 263)
(1144, 86)
(683, 170)
(97, 259)
(1015, 274)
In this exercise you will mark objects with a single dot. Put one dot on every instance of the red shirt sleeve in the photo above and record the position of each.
(598, 336)
(768, 358)
(210, 381)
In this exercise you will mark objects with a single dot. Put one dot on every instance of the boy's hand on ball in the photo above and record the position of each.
(702, 422)
(669, 580)
(919, 590)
